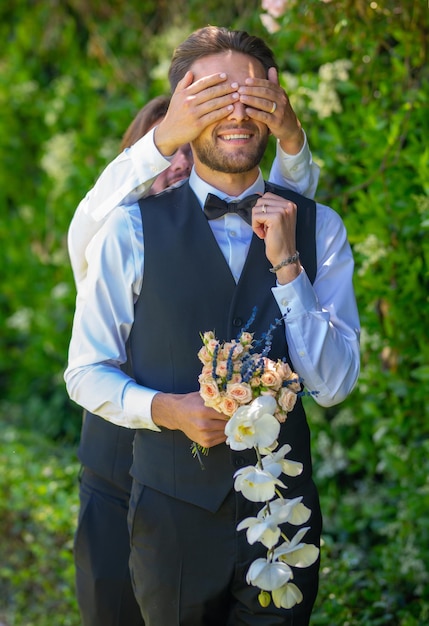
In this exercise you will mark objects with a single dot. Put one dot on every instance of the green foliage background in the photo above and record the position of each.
(72, 76)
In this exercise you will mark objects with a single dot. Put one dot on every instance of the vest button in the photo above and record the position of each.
(237, 321)
(239, 461)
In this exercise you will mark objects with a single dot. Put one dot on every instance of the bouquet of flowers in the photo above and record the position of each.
(257, 394)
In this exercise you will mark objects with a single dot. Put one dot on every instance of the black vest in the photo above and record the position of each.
(188, 288)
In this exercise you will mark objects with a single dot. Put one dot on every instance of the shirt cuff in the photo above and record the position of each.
(296, 298)
(137, 407)
(147, 158)
(303, 156)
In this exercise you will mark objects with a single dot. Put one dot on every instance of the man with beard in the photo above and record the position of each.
(163, 271)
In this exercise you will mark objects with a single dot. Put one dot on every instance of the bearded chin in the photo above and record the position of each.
(238, 163)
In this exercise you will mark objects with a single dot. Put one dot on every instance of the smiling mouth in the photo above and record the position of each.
(233, 136)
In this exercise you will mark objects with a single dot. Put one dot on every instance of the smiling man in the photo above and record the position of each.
(175, 272)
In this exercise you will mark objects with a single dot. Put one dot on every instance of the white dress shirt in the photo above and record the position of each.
(128, 177)
(322, 326)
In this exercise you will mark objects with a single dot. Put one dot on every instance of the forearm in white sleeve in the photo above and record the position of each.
(322, 322)
(124, 181)
(102, 323)
(296, 171)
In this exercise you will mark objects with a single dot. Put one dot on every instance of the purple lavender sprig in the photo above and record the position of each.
(248, 324)
(214, 361)
(230, 364)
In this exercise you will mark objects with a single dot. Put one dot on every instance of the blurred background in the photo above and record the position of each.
(73, 73)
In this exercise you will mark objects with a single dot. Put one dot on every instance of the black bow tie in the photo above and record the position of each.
(215, 207)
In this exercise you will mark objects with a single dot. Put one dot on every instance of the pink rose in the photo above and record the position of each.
(246, 339)
(293, 383)
(271, 378)
(211, 345)
(204, 356)
(242, 392)
(281, 416)
(222, 369)
(235, 378)
(236, 348)
(284, 370)
(286, 399)
(287, 374)
(207, 371)
(228, 406)
(209, 392)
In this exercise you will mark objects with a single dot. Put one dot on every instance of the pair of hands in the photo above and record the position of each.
(196, 105)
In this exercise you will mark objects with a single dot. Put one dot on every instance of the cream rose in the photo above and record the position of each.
(204, 356)
(241, 392)
(209, 392)
(231, 350)
(222, 369)
(293, 383)
(208, 336)
(207, 371)
(246, 339)
(271, 378)
(286, 399)
(228, 406)
(284, 370)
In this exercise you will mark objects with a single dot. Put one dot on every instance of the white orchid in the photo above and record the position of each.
(296, 553)
(263, 528)
(266, 526)
(255, 484)
(268, 575)
(277, 464)
(291, 511)
(253, 425)
(286, 596)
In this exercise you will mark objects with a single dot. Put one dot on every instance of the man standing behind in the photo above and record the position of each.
(173, 274)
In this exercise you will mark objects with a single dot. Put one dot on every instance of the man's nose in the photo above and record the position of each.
(183, 161)
(239, 112)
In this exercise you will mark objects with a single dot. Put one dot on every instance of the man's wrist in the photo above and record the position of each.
(164, 146)
(293, 144)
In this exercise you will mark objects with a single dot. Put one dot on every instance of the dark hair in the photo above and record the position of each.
(145, 119)
(214, 40)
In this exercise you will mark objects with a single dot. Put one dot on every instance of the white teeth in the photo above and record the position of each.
(236, 136)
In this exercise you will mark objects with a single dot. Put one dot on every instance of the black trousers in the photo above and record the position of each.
(189, 565)
(101, 552)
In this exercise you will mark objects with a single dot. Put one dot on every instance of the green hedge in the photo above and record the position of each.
(72, 76)
(38, 512)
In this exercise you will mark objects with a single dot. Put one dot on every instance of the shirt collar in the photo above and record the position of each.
(201, 188)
